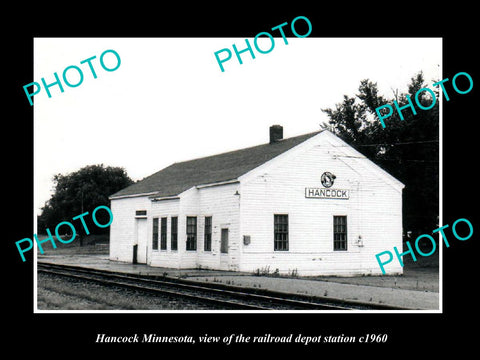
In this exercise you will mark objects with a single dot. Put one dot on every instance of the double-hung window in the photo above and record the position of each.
(155, 234)
(191, 233)
(207, 235)
(339, 233)
(280, 232)
(163, 234)
(174, 233)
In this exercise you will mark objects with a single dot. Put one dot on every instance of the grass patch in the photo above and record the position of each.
(92, 245)
(265, 271)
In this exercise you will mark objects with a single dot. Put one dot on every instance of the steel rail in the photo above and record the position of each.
(155, 290)
(219, 295)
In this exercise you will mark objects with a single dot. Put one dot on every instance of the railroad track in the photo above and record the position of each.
(218, 296)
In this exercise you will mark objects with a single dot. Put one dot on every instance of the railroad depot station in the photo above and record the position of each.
(308, 205)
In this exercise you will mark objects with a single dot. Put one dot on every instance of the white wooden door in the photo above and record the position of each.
(142, 241)
(224, 256)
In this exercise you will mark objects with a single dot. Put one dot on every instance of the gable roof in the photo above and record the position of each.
(181, 176)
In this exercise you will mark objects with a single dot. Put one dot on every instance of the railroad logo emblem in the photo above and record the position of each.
(327, 179)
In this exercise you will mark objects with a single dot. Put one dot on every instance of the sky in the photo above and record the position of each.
(168, 101)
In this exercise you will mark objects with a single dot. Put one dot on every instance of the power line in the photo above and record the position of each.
(413, 160)
(386, 159)
(401, 143)
(396, 143)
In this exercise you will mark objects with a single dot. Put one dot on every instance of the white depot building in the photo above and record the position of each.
(310, 205)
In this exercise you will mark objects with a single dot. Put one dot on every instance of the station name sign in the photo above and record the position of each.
(322, 193)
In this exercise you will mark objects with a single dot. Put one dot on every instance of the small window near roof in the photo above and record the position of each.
(141, 213)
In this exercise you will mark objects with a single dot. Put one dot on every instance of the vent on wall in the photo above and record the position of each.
(141, 213)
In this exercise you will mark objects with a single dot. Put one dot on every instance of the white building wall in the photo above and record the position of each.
(373, 212)
(222, 203)
(219, 202)
(165, 258)
(123, 227)
(189, 206)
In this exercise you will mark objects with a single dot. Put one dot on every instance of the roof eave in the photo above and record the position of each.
(116, 197)
(217, 183)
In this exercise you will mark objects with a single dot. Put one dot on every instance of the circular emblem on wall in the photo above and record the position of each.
(327, 179)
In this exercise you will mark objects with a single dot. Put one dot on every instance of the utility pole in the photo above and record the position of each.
(80, 232)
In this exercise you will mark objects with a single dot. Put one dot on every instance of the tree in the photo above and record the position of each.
(82, 191)
(407, 149)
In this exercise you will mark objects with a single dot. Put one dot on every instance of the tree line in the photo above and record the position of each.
(81, 191)
(407, 149)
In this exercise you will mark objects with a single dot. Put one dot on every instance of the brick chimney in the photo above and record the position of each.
(276, 133)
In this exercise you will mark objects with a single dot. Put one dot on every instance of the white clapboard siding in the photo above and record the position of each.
(373, 212)
(164, 258)
(246, 207)
(123, 227)
(219, 202)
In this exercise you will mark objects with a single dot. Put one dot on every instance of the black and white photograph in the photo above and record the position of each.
(266, 183)
(300, 199)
